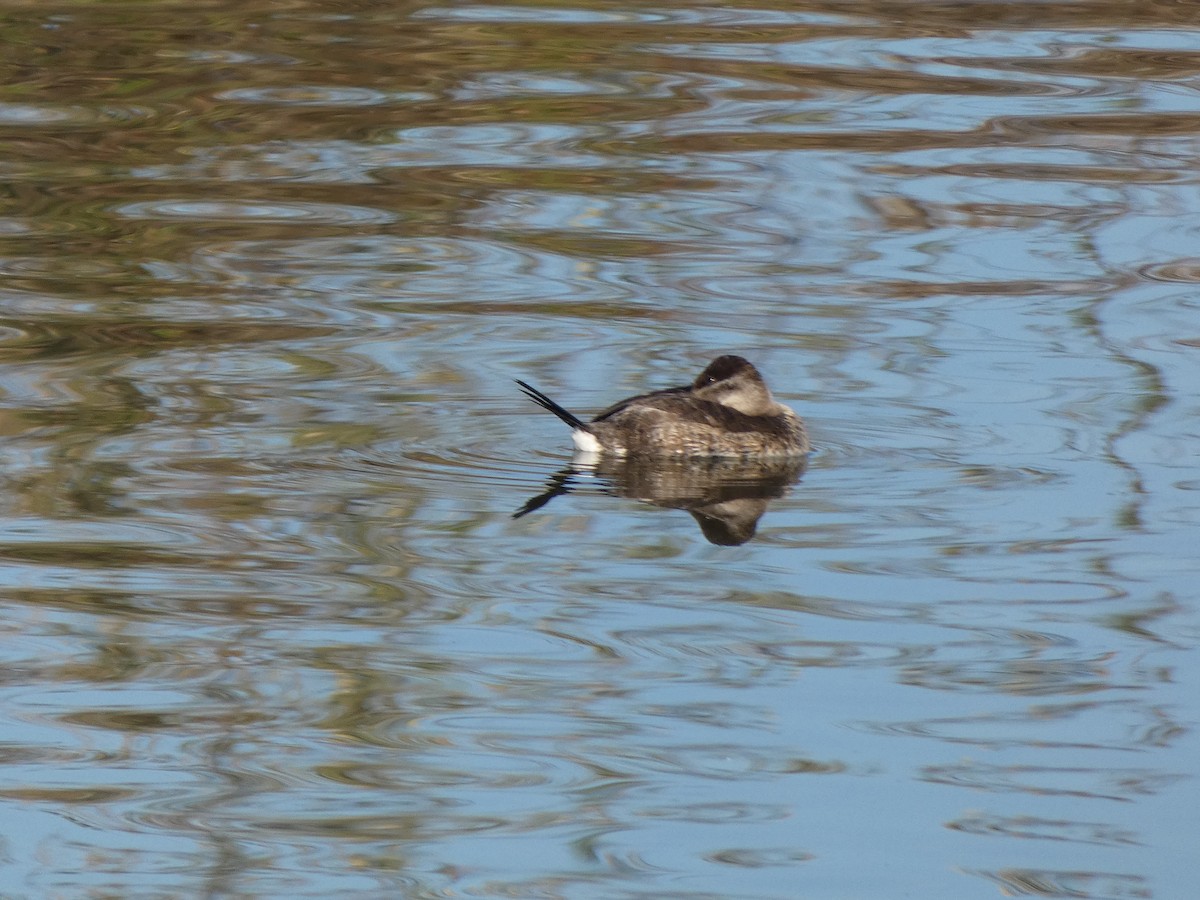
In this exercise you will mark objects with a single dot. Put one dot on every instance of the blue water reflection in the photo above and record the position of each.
(269, 274)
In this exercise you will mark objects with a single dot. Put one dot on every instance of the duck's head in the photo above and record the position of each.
(734, 382)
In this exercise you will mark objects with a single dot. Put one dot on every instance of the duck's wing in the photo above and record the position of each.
(683, 406)
(650, 398)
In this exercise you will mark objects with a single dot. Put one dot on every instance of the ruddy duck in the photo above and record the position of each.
(726, 411)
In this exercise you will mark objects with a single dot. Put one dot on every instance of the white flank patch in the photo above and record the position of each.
(585, 442)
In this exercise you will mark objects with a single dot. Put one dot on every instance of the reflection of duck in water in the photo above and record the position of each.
(725, 496)
(727, 412)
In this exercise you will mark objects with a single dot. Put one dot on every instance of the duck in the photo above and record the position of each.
(727, 411)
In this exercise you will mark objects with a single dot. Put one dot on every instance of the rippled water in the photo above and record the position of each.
(268, 273)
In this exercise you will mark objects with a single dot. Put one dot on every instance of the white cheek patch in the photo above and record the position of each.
(585, 441)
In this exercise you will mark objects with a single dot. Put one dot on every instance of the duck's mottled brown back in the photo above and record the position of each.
(727, 411)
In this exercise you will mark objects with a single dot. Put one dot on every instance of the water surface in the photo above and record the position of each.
(270, 627)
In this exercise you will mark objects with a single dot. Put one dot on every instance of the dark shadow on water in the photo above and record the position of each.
(726, 497)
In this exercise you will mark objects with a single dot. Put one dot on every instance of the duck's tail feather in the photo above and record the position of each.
(546, 403)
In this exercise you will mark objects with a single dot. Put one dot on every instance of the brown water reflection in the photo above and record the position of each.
(726, 497)
(266, 274)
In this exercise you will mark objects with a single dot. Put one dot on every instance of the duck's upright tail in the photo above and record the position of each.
(546, 403)
(582, 433)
